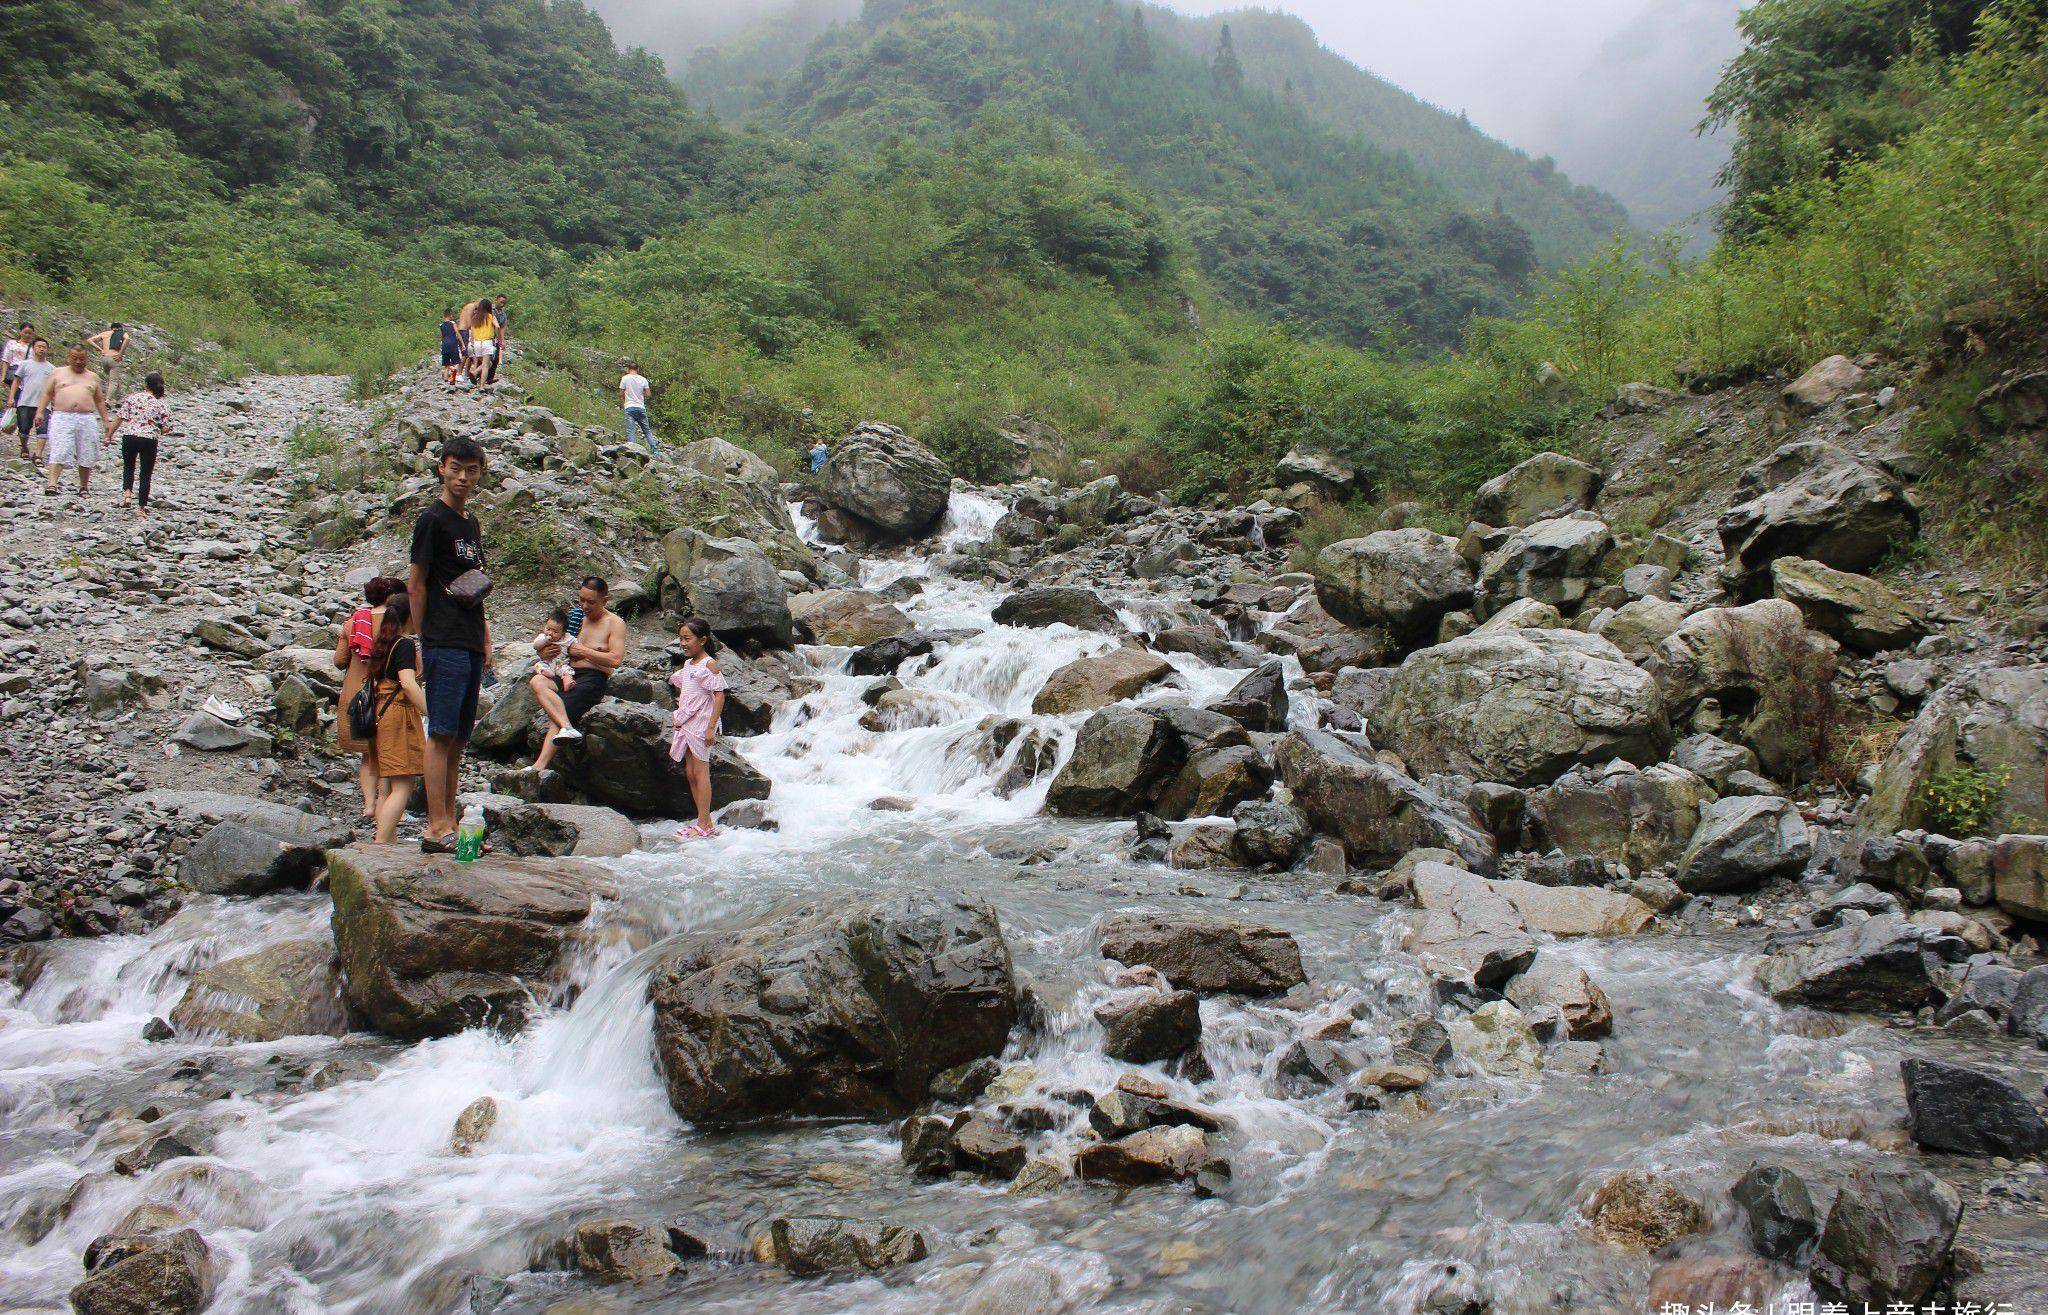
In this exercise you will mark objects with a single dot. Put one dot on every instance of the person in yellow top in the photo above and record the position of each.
(483, 342)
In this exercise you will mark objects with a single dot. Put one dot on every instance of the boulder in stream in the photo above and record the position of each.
(1889, 1237)
(236, 859)
(847, 1007)
(1953, 1107)
(429, 946)
(150, 1273)
(887, 479)
(1069, 605)
(815, 1244)
(1101, 679)
(623, 762)
(287, 989)
(1205, 954)
(1377, 812)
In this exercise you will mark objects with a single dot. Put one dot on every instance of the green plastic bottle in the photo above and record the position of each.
(469, 835)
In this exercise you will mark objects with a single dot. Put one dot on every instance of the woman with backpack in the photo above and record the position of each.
(396, 704)
(352, 658)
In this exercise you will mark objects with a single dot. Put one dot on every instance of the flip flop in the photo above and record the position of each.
(432, 846)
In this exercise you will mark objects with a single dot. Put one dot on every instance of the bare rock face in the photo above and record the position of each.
(1206, 955)
(1764, 667)
(1401, 581)
(1548, 484)
(1989, 719)
(1520, 707)
(430, 946)
(1376, 811)
(732, 583)
(846, 1008)
(888, 479)
(855, 618)
(1815, 500)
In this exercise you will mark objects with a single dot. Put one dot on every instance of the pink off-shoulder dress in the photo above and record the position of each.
(695, 683)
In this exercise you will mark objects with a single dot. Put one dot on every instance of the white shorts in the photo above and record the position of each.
(483, 349)
(74, 439)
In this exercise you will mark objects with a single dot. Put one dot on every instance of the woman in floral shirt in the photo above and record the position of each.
(141, 420)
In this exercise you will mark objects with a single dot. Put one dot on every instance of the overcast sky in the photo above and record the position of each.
(1495, 59)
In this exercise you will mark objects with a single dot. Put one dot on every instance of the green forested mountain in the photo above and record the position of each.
(1292, 218)
(1281, 55)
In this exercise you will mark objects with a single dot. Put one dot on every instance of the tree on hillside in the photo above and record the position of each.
(1228, 70)
(1133, 47)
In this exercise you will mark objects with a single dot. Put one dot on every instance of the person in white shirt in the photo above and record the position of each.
(633, 387)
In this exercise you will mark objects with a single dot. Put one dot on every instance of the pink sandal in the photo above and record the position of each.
(695, 831)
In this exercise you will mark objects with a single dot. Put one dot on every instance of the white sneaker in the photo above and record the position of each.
(221, 708)
(566, 734)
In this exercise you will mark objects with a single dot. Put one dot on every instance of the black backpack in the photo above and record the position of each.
(363, 711)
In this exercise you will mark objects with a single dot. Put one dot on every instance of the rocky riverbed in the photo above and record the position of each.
(1107, 917)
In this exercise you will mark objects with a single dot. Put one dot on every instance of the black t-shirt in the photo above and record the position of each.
(405, 656)
(449, 543)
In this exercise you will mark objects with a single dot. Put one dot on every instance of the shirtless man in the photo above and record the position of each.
(75, 403)
(595, 653)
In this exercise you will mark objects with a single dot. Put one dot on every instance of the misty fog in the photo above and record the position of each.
(1611, 88)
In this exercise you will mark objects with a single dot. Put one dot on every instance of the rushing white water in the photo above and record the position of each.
(347, 1197)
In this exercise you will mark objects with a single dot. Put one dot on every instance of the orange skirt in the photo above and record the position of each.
(401, 748)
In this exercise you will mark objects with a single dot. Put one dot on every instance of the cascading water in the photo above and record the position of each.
(343, 1193)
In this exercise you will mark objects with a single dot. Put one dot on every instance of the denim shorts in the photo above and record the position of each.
(453, 677)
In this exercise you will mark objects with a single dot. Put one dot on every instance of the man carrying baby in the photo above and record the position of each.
(575, 668)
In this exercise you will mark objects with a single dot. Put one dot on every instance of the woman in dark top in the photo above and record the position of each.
(451, 348)
(400, 749)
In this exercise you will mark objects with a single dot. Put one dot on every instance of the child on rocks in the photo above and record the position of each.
(700, 701)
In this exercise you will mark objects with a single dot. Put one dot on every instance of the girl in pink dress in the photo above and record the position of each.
(700, 700)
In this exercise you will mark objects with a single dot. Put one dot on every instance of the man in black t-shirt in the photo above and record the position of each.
(455, 640)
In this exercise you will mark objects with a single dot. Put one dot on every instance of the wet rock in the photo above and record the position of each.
(430, 947)
(1138, 1102)
(1156, 1155)
(732, 583)
(1742, 843)
(1398, 581)
(982, 1144)
(1637, 627)
(1641, 817)
(887, 479)
(1520, 707)
(1759, 662)
(1153, 1029)
(1066, 605)
(1377, 812)
(1711, 1283)
(1567, 988)
(624, 763)
(1203, 641)
(474, 1125)
(613, 1251)
(815, 1244)
(1642, 1211)
(1552, 561)
(1467, 929)
(1214, 782)
(854, 618)
(158, 1150)
(885, 656)
(964, 1082)
(845, 1008)
(1546, 485)
(544, 830)
(1991, 719)
(169, 1273)
(1121, 759)
(1105, 678)
(1863, 614)
(1779, 1213)
(233, 859)
(1259, 701)
(1498, 1039)
(1970, 1112)
(1204, 954)
(1878, 963)
(1268, 834)
(1890, 1236)
(1814, 500)
(287, 989)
